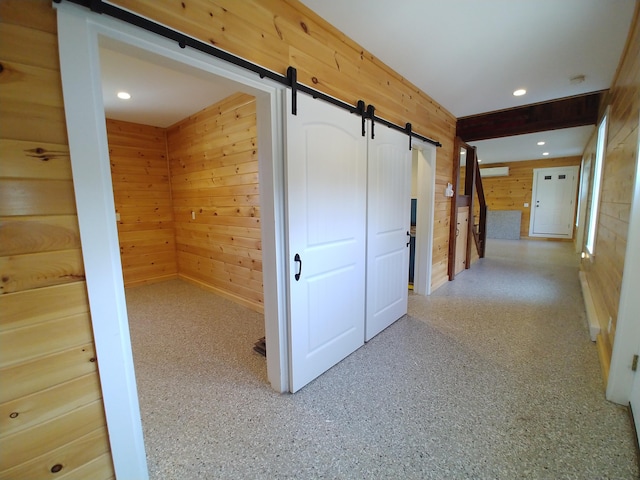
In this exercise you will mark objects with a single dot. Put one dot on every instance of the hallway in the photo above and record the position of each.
(493, 376)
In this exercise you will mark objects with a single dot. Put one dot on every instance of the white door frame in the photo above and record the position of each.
(627, 339)
(425, 206)
(78, 34)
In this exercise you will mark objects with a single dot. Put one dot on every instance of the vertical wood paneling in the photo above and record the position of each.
(604, 270)
(142, 196)
(512, 192)
(50, 400)
(214, 178)
(280, 33)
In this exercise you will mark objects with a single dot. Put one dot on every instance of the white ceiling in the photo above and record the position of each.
(162, 93)
(558, 143)
(468, 55)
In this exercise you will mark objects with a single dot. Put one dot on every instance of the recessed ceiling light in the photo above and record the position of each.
(124, 95)
(479, 160)
(519, 92)
(540, 143)
(545, 153)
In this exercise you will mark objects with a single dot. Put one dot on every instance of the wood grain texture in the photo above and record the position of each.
(277, 34)
(604, 270)
(48, 404)
(142, 196)
(513, 191)
(19, 448)
(31, 234)
(214, 178)
(42, 269)
(75, 458)
(22, 345)
(50, 398)
(46, 371)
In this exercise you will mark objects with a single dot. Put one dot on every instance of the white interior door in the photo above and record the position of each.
(554, 193)
(388, 223)
(326, 213)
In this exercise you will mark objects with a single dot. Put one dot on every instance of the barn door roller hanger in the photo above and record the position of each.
(290, 80)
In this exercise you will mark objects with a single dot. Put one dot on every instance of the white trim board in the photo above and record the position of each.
(425, 195)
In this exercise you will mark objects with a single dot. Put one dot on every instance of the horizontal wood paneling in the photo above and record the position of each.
(22, 159)
(142, 196)
(47, 371)
(19, 447)
(214, 176)
(48, 404)
(512, 192)
(280, 33)
(31, 234)
(51, 409)
(42, 269)
(28, 307)
(604, 270)
(21, 345)
(75, 457)
(21, 196)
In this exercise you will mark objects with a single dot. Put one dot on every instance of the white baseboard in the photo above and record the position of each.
(592, 318)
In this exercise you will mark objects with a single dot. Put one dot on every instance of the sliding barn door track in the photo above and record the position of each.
(290, 80)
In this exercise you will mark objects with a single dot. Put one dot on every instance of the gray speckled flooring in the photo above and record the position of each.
(502, 384)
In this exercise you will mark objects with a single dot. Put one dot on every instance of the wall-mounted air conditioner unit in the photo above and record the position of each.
(494, 172)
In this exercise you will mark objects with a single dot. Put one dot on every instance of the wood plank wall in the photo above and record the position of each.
(280, 33)
(604, 270)
(214, 178)
(512, 192)
(51, 412)
(142, 196)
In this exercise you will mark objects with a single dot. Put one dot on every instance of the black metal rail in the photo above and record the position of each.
(290, 80)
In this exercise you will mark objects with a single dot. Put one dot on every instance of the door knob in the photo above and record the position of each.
(409, 241)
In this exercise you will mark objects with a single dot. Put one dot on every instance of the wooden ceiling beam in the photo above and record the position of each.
(539, 117)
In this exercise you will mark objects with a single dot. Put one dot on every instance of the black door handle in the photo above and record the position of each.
(297, 259)
(408, 235)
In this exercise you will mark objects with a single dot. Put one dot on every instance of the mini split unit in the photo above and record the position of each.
(494, 172)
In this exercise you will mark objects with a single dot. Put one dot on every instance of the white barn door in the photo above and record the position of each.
(388, 224)
(326, 216)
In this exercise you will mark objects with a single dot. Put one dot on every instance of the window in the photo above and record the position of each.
(597, 185)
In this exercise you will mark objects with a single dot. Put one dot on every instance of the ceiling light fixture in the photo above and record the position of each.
(545, 154)
(124, 95)
(541, 143)
(519, 92)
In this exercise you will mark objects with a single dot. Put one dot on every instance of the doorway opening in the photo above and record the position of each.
(80, 34)
(184, 168)
(423, 184)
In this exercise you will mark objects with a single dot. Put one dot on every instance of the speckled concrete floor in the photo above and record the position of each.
(501, 384)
